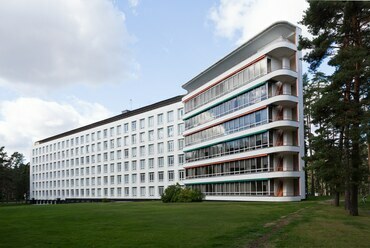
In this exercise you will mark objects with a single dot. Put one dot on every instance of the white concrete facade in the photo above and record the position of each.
(133, 157)
(237, 135)
(244, 122)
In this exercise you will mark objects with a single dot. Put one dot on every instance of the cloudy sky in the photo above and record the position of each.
(64, 64)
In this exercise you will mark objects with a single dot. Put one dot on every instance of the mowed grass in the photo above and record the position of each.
(323, 225)
(155, 224)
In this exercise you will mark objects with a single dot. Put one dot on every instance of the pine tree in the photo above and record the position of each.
(341, 34)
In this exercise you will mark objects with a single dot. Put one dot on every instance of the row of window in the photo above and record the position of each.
(112, 155)
(246, 166)
(248, 188)
(230, 147)
(112, 132)
(237, 80)
(110, 180)
(241, 101)
(239, 124)
(125, 141)
(98, 192)
(99, 169)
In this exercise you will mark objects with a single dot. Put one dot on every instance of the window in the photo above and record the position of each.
(133, 165)
(181, 175)
(119, 127)
(133, 178)
(151, 149)
(98, 134)
(170, 160)
(181, 144)
(125, 128)
(126, 166)
(170, 116)
(151, 191)
(160, 119)
(125, 141)
(151, 163)
(170, 146)
(170, 131)
(105, 133)
(180, 128)
(142, 123)
(142, 177)
(160, 133)
(105, 168)
(142, 164)
(111, 131)
(142, 151)
(180, 113)
(111, 167)
(133, 126)
(160, 190)
(170, 175)
(151, 135)
(111, 179)
(126, 153)
(142, 191)
(127, 191)
(160, 176)
(133, 139)
(119, 142)
(181, 159)
(119, 179)
(119, 167)
(134, 191)
(133, 152)
(160, 162)
(126, 179)
(151, 177)
(142, 137)
(160, 149)
(151, 121)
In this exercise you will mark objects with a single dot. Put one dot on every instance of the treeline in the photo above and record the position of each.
(14, 177)
(337, 106)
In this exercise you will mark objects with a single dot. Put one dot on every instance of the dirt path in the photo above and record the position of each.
(275, 227)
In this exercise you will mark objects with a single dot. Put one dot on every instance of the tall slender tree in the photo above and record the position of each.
(341, 33)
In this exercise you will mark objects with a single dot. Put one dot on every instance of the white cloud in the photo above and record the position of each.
(26, 120)
(240, 20)
(53, 43)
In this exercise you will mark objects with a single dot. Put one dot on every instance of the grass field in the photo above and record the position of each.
(207, 224)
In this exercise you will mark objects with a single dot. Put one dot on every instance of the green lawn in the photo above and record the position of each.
(207, 224)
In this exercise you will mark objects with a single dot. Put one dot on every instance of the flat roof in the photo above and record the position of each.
(115, 118)
(246, 50)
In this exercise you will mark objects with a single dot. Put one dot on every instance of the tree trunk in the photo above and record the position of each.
(336, 199)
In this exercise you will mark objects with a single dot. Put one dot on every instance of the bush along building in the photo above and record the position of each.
(236, 135)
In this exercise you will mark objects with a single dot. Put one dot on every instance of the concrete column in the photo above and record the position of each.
(285, 63)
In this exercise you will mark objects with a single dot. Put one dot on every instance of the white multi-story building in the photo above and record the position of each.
(244, 122)
(134, 155)
(241, 132)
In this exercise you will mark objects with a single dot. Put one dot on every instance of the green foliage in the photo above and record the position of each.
(338, 104)
(190, 195)
(175, 193)
(14, 176)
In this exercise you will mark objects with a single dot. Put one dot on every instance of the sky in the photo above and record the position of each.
(65, 64)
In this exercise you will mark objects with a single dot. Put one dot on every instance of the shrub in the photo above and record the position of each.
(175, 193)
